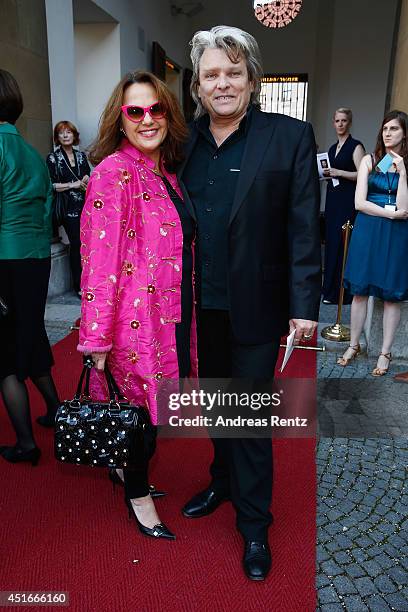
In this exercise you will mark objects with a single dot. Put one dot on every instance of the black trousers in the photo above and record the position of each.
(242, 468)
(72, 227)
(136, 480)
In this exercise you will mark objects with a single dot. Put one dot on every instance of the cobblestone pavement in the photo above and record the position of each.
(61, 312)
(362, 547)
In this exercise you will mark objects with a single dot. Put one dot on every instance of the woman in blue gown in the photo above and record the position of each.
(376, 263)
(345, 157)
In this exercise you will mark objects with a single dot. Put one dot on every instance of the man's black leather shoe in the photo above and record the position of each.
(203, 503)
(257, 560)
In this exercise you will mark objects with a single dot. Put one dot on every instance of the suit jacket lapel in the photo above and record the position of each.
(186, 198)
(259, 135)
(189, 149)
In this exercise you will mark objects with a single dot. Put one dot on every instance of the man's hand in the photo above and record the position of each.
(304, 328)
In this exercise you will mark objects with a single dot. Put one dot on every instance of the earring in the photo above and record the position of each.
(123, 131)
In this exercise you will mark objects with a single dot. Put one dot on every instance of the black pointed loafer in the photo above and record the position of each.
(158, 531)
(204, 503)
(257, 560)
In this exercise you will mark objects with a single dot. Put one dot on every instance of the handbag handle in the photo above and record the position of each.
(3, 307)
(115, 395)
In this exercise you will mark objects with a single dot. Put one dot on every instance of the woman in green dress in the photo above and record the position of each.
(25, 261)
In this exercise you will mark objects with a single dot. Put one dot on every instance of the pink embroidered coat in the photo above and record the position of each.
(131, 251)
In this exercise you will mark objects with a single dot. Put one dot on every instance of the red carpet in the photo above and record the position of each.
(63, 529)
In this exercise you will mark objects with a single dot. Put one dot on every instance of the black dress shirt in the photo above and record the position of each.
(211, 176)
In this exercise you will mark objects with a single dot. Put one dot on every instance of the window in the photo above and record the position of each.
(285, 94)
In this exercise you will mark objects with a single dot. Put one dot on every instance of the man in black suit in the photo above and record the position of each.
(252, 178)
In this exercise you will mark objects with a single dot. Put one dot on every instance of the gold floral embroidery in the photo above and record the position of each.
(133, 357)
(98, 204)
(128, 268)
(131, 233)
(151, 288)
(126, 176)
(135, 324)
(146, 197)
(89, 296)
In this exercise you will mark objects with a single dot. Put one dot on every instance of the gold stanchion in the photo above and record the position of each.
(306, 348)
(339, 332)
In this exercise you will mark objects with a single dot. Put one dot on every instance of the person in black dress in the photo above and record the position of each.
(345, 157)
(69, 170)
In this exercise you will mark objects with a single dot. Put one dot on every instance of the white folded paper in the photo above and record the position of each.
(290, 344)
(323, 163)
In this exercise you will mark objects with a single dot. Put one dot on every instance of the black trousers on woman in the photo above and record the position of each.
(137, 479)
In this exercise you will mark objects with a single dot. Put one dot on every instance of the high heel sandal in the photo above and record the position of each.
(343, 361)
(13, 455)
(158, 531)
(382, 371)
(116, 480)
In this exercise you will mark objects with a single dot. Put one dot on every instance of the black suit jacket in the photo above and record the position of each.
(274, 243)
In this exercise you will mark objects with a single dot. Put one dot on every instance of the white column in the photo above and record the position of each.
(61, 53)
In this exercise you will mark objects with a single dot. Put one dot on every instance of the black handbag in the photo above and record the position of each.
(101, 434)
(60, 208)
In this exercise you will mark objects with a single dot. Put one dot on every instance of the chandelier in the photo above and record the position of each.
(276, 13)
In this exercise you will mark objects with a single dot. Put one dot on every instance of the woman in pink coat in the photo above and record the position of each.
(137, 255)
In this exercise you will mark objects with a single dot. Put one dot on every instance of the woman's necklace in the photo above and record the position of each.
(390, 184)
(71, 156)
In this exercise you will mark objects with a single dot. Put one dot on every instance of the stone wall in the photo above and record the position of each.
(399, 92)
(23, 52)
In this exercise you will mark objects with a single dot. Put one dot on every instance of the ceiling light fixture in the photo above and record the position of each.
(276, 13)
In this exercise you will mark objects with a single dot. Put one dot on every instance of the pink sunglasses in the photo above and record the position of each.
(137, 113)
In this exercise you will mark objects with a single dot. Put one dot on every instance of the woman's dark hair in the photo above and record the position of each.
(11, 100)
(109, 134)
(65, 125)
(380, 151)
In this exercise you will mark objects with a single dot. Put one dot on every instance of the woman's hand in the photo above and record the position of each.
(99, 360)
(84, 182)
(332, 173)
(401, 214)
(399, 164)
(74, 185)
